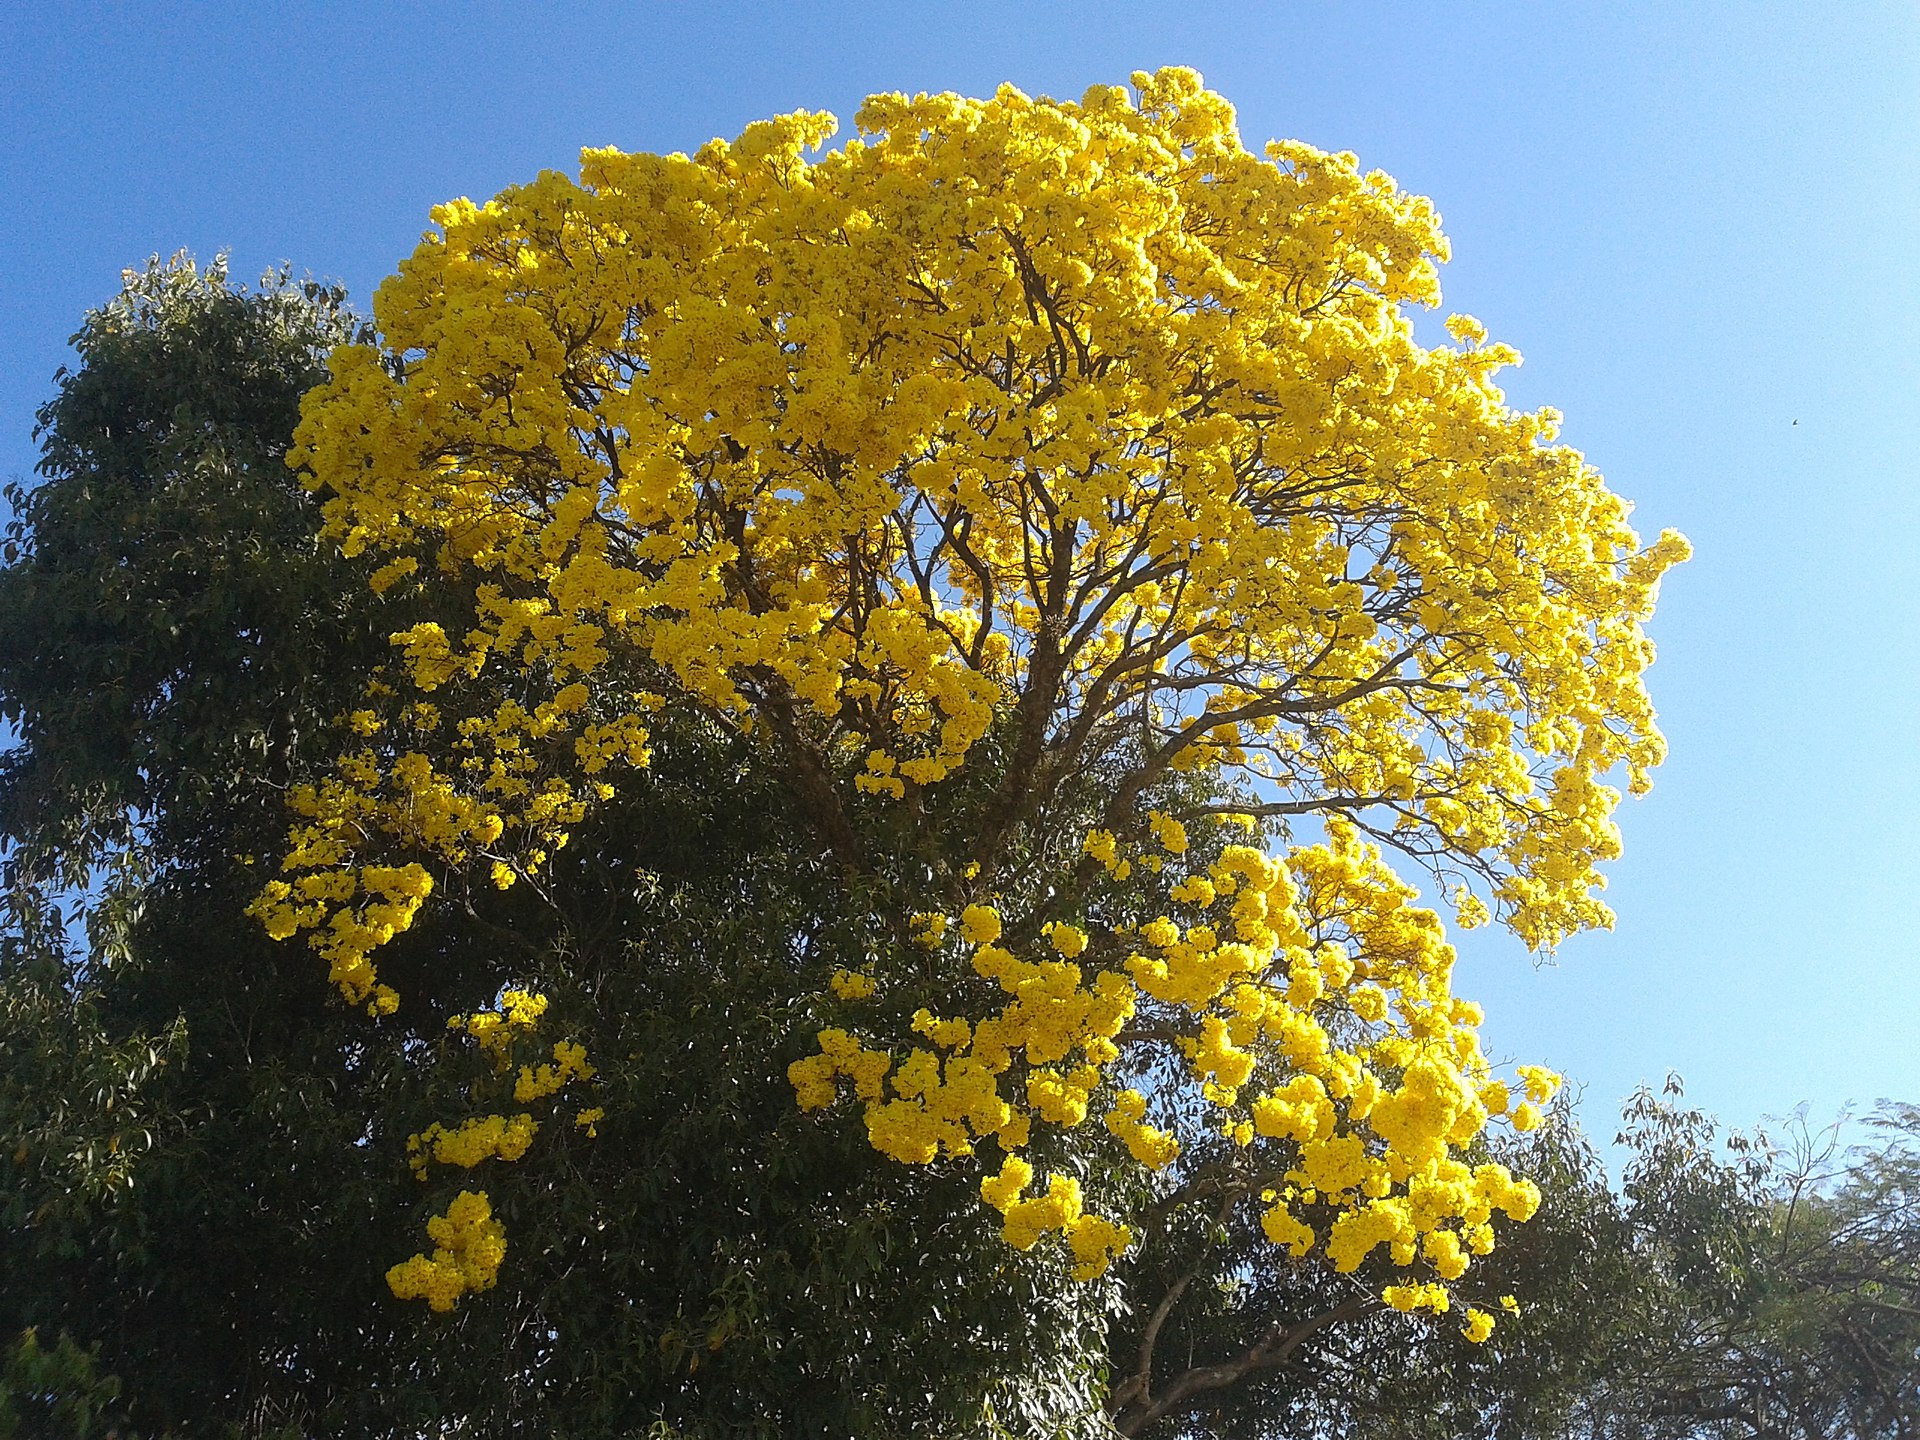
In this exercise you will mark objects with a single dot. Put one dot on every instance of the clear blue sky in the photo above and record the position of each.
(1700, 222)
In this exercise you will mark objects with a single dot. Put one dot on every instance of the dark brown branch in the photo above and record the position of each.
(1274, 1348)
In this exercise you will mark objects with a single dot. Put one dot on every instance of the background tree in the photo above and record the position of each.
(1777, 1285)
(163, 590)
(1726, 1288)
(56, 1390)
(166, 619)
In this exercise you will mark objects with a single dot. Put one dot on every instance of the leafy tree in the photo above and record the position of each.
(1726, 1288)
(205, 1176)
(1053, 496)
(163, 592)
(161, 614)
(1779, 1284)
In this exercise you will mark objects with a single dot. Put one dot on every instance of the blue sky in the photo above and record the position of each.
(1699, 222)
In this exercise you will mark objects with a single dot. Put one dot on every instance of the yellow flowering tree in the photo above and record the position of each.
(1056, 495)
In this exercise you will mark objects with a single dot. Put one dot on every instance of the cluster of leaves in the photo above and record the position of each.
(163, 595)
(1783, 1283)
(179, 1117)
(56, 1390)
(1723, 1289)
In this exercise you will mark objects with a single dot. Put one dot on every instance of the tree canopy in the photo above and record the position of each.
(861, 726)
(1027, 482)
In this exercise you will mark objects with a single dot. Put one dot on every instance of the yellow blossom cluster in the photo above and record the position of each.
(853, 984)
(469, 1245)
(944, 1099)
(353, 908)
(840, 1055)
(1153, 1148)
(470, 1242)
(388, 896)
(536, 1082)
(1092, 1240)
(1309, 1002)
(495, 1031)
(483, 1137)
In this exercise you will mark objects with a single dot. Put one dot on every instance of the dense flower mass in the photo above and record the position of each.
(469, 1245)
(1309, 1002)
(1046, 449)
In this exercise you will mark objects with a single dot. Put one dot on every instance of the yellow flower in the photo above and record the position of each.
(980, 924)
(853, 984)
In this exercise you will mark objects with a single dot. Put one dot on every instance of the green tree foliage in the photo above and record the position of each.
(1724, 1289)
(55, 1392)
(202, 1153)
(164, 596)
(1779, 1287)
(179, 1114)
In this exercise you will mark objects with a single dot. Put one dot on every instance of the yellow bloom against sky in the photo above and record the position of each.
(1079, 423)
(1692, 220)
(1082, 402)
